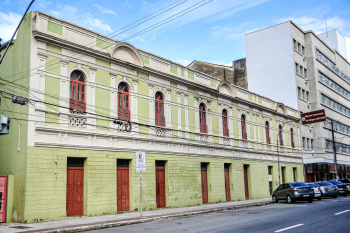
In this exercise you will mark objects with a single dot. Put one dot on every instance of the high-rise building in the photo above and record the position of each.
(308, 72)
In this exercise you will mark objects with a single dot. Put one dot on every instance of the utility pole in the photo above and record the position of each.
(335, 153)
(278, 156)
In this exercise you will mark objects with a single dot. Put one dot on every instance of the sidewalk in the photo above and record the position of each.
(98, 222)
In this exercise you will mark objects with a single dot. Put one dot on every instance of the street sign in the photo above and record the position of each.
(140, 161)
(313, 117)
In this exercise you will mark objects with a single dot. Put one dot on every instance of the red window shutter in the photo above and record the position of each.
(159, 110)
(123, 102)
(224, 124)
(244, 133)
(202, 119)
(77, 92)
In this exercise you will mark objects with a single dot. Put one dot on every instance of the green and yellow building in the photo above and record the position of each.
(206, 141)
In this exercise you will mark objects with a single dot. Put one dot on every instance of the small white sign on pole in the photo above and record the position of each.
(140, 161)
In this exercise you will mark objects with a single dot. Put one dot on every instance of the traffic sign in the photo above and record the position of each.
(140, 161)
(313, 117)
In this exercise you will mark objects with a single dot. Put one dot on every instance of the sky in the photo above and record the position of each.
(203, 30)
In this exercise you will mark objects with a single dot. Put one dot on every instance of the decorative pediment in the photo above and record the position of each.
(226, 89)
(281, 109)
(126, 52)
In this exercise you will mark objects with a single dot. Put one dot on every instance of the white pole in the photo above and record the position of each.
(141, 194)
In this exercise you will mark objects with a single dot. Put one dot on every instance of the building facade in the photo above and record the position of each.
(205, 141)
(306, 73)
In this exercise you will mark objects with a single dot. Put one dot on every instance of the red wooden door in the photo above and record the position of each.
(160, 187)
(246, 186)
(75, 191)
(122, 188)
(227, 185)
(3, 195)
(204, 185)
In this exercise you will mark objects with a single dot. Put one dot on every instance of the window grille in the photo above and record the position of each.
(75, 162)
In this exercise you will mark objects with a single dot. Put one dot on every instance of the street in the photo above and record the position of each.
(327, 215)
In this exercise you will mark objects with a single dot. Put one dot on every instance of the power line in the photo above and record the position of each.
(130, 37)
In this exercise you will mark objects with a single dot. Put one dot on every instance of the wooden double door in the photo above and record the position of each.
(75, 187)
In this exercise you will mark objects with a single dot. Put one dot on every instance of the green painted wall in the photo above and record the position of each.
(142, 75)
(103, 44)
(190, 76)
(13, 162)
(213, 84)
(103, 101)
(103, 77)
(145, 59)
(183, 181)
(173, 69)
(103, 63)
(55, 28)
(52, 87)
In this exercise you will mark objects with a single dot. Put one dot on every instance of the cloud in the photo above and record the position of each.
(183, 62)
(233, 32)
(318, 25)
(66, 11)
(42, 4)
(8, 24)
(104, 10)
(96, 23)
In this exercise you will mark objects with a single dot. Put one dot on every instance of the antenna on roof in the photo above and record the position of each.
(325, 21)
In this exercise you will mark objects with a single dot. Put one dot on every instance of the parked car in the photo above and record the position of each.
(341, 187)
(292, 192)
(317, 191)
(327, 189)
(346, 182)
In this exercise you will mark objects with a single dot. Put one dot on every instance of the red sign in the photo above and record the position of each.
(3, 192)
(313, 117)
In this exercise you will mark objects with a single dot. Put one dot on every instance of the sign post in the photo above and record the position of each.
(140, 167)
(313, 117)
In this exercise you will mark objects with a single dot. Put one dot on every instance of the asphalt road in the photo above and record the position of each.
(327, 215)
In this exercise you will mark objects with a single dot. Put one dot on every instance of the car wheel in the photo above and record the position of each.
(274, 199)
(345, 195)
(319, 198)
(310, 200)
(290, 199)
(335, 196)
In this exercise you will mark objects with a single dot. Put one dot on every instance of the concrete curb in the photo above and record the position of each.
(124, 222)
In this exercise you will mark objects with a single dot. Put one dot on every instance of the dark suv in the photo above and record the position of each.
(342, 189)
(292, 192)
(346, 182)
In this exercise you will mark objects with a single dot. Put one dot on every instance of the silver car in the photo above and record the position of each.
(292, 192)
(317, 191)
(327, 189)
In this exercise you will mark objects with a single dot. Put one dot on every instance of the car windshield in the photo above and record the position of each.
(312, 185)
(298, 184)
(345, 181)
(335, 182)
(325, 184)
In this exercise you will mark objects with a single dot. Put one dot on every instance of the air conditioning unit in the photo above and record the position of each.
(4, 125)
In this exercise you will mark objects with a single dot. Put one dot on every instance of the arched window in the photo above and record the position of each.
(77, 92)
(292, 137)
(159, 109)
(224, 123)
(280, 135)
(202, 119)
(123, 102)
(267, 132)
(244, 129)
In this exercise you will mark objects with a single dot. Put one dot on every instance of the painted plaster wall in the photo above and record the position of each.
(13, 155)
(47, 175)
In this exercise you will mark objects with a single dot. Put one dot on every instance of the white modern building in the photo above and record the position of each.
(308, 72)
